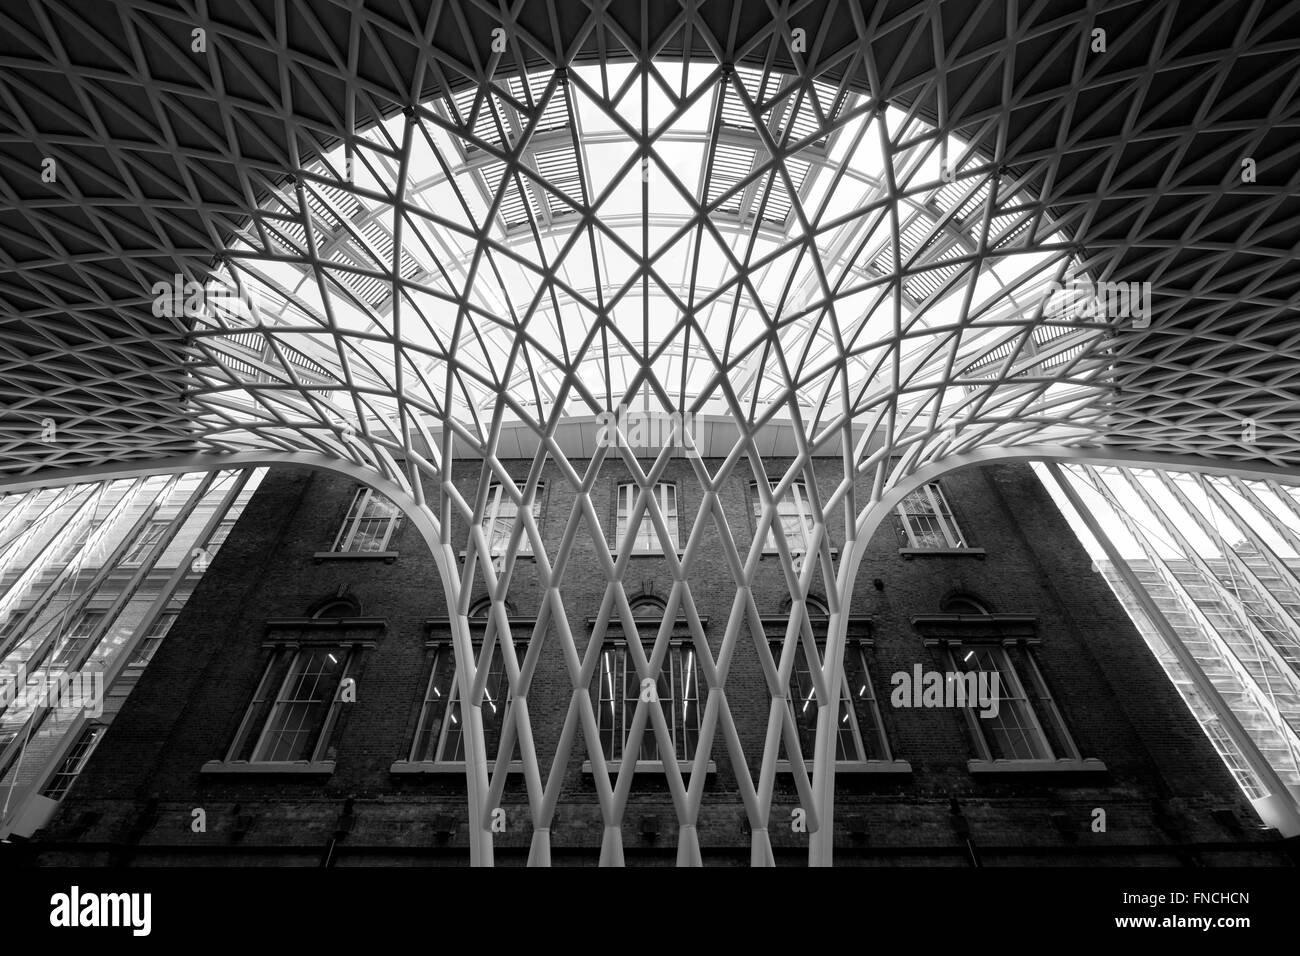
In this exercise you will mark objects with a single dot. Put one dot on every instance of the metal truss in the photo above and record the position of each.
(417, 240)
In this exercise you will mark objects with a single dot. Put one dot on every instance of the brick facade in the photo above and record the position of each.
(1162, 783)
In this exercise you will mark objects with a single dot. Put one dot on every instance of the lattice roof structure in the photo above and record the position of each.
(399, 237)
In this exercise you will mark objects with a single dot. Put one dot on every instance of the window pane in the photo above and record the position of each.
(862, 698)
(496, 702)
(608, 695)
(923, 523)
(945, 515)
(303, 705)
(77, 637)
(794, 517)
(499, 519)
(437, 698)
(151, 641)
(219, 535)
(1012, 733)
(13, 624)
(1049, 718)
(803, 701)
(689, 706)
(647, 538)
(616, 691)
(858, 734)
(142, 545)
(494, 710)
(928, 521)
(369, 524)
(74, 763)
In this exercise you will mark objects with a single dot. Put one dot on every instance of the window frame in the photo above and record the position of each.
(281, 703)
(59, 656)
(143, 655)
(872, 702)
(288, 654)
(14, 626)
(356, 515)
(797, 496)
(622, 517)
(443, 648)
(1038, 707)
(623, 708)
(80, 752)
(941, 513)
(227, 525)
(492, 515)
(139, 549)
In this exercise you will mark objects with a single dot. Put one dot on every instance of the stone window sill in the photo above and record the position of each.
(388, 556)
(650, 766)
(272, 767)
(910, 553)
(1065, 765)
(857, 766)
(440, 767)
(646, 554)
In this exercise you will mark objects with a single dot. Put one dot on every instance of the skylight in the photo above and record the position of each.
(667, 235)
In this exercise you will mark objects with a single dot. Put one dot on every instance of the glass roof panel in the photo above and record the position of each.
(620, 226)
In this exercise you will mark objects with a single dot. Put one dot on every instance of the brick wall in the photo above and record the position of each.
(137, 796)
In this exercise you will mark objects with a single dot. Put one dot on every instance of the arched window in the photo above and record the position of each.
(337, 607)
(816, 607)
(648, 606)
(964, 604)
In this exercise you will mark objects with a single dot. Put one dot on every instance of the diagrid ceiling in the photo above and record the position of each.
(420, 217)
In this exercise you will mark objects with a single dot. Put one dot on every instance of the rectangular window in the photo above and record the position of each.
(12, 626)
(499, 519)
(144, 543)
(440, 733)
(794, 517)
(149, 644)
(860, 733)
(927, 520)
(218, 537)
(646, 537)
(1027, 725)
(78, 635)
(295, 710)
(78, 541)
(74, 762)
(370, 523)
(617, 692)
